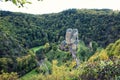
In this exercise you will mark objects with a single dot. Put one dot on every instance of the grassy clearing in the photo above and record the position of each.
(36, 48)
(29, 75)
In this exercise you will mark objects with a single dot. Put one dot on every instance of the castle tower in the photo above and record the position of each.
(68, 36)
(74, 35)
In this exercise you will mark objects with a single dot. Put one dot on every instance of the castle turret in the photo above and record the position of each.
(74, 35)
(68, 36)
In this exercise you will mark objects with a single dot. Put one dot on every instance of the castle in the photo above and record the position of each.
(71, 39)
(71, 43)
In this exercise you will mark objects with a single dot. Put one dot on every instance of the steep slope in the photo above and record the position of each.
(101, 26)
(14, 57)
(110, 52)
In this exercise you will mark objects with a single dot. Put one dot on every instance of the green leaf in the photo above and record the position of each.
(15, 2)
(29, 2)
(23, 1)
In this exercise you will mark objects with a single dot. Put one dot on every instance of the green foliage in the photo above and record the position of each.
(102, 65)
(113, 49)
(99, 67)
(52, 52)
(101, 70)
(19, 3)
(101, 26)
(40, 54)
(58, 73)
(62, 57)
(102, 55)
(29, 75)
(45, 67)
(47, 47)
(54, 47)
(5, 64)
(8, 76)
(10, 51)
(84, 52)
(94, 46)
(35, 49)
(26, 63)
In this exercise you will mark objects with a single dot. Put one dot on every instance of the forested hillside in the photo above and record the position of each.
(20, 32)
(101, 26)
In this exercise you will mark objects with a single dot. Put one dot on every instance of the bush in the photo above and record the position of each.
(9, 76)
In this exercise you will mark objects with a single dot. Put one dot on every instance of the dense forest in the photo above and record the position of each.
(20, 32)
(101, 26)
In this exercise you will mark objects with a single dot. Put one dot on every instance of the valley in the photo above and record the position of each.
(30, 45)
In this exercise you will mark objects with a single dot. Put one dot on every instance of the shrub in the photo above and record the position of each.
(9, 76)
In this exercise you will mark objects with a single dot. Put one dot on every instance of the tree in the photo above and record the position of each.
(54, 47)
(19, 3)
